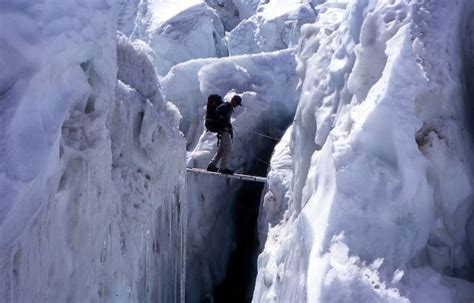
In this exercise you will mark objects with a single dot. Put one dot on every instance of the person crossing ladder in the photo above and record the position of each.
(218, 115)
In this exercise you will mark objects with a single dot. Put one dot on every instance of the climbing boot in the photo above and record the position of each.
(226, 171)
(212, 167)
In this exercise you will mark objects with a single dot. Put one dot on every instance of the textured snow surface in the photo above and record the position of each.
(381, 193)
(91, 204)
(267, 84)
(274, 25)
(179, 31)
(126, 16)
(227, 11)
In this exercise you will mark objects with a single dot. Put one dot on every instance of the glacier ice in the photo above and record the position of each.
(227, 11)
(369, 197)
(271, 26)
(179, 32)
(92, 209)
(381, 189)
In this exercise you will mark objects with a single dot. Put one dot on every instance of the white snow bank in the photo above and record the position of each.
(275, 26)
(267, 84)
(178, 32)
(91, 202)
(379, 156)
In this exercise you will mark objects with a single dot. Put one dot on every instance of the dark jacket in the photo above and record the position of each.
(224, 111)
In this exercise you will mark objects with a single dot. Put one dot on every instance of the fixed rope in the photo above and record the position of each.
(248, 129)
(253, 154)
(241, 141)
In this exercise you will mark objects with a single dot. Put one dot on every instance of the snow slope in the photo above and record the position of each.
(91, 206)
(380, 159)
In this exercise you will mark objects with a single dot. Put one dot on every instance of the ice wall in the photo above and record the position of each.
(467, 35)
(380, 158)
(227, 11)
(90, 204)
(265, 79)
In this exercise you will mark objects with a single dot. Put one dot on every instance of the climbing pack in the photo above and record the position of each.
(213, 122)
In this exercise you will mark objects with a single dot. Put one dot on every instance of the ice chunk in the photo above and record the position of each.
(268, 79)
(178, 33)
(275, 26)
(227, 11)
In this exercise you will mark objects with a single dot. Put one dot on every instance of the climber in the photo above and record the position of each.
(224, 135)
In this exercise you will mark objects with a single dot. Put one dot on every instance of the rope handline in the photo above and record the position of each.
(261, 135)
(253, 154)
(242, 127)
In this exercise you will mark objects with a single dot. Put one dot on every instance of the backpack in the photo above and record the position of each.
(213, 121)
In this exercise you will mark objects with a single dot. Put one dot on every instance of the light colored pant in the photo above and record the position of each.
(223, 152)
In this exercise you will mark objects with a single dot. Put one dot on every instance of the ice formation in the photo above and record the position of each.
(270, 26)
(227, 11)
(381, 193)
(127, 15)
(91, 205)
(178, 32)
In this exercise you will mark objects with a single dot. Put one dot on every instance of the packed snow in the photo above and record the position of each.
(126, 15)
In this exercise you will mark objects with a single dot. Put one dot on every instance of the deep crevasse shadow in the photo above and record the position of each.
(239, 283)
